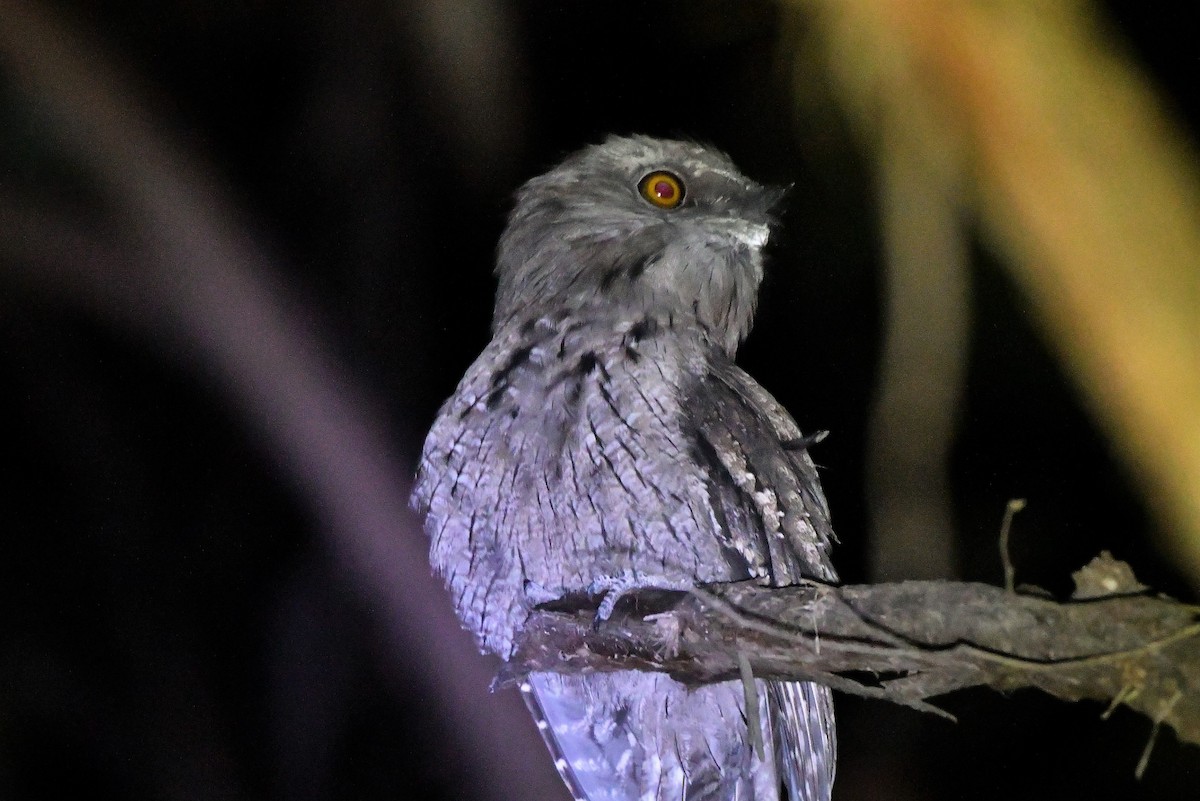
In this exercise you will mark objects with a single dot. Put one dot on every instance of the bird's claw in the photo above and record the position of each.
(614, 588)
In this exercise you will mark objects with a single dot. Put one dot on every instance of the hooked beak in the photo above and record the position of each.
(769, 197)
(753, 220)
(755, 231)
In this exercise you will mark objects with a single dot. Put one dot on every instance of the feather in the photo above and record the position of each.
(605, 438)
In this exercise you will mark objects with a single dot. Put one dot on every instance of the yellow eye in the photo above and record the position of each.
(662, 188)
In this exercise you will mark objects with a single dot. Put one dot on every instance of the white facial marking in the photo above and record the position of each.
(752, 235)
(755, 235)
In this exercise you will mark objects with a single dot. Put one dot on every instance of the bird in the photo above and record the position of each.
(606, 441)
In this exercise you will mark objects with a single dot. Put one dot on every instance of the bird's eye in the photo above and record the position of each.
(663, 189)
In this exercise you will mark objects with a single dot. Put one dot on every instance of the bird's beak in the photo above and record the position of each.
(769, 197)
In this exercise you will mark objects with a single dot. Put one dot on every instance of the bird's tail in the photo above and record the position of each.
(805, 745)
(589, 764)
(631, 736)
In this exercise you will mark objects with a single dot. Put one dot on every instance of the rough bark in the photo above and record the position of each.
(905, 642)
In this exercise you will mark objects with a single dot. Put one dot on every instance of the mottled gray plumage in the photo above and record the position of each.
(605, 438)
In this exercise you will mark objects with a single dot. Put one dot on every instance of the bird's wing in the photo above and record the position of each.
(763, 489)
(765, 492)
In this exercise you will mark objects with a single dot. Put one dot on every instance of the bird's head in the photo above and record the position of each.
(639, 226)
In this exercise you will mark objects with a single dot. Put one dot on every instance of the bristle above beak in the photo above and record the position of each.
(771, 197)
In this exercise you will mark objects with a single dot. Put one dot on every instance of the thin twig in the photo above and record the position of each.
(1140, 770)
(1015, 505)
(753, 720)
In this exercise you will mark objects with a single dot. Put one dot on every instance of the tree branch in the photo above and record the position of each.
(904, 642)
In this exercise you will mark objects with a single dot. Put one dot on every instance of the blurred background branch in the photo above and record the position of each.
(1082, 183)
(184, 271)
(925, 350)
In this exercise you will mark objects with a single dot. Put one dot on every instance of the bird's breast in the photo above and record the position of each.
(568, 463)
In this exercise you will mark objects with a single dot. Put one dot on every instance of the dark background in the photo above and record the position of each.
(174, 624)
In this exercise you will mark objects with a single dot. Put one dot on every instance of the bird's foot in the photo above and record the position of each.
(614, 588)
